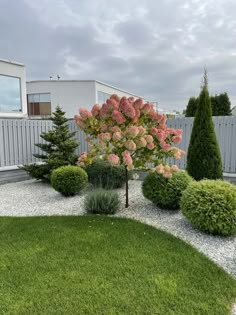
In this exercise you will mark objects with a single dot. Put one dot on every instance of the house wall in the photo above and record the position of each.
(105, 88)
(70, 95)
(12, 69)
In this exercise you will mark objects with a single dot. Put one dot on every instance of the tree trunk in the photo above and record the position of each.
(126, 188)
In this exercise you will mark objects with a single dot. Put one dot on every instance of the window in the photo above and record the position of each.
(10, 94)
(102, 97)
(39, 104)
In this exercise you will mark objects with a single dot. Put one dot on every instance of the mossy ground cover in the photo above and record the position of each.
(98, 265)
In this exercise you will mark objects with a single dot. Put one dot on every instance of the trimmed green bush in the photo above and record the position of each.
(102, 174)
(210, 205)
(101, 201)
(163, 192)
(69, 180)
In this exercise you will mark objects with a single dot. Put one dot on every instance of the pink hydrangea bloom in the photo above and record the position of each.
(131, 99)
(177, 139)
(160, 169)
(95, 110)
(167, 174)
(129, 111)
(165, 146)
(130, 145)
(147, 108)
(150, 146)
(142, 131)
(115, 129)
(133, 131)
(115, 97)
(105, 111)
(113, 159)
(117, 136)
(80, 122)
(138, 104)
(127, 159)
(149, 139)
(174, 168)
(137, 113)
(84, 113)
(105, 136)
(160, 135)
(141, 143)
(178, 132)
(112, 103)
(118, 117)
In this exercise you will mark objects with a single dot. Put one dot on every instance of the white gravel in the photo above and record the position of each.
(31, 198)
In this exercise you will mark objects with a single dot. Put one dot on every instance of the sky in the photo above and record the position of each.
(154, 48)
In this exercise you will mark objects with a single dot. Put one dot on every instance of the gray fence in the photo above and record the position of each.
(17, 139)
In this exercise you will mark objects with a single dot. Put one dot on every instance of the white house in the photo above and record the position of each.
(13, 102)
(44, 96)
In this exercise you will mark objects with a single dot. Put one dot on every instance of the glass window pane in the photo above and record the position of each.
(10, 94)
(44, 98)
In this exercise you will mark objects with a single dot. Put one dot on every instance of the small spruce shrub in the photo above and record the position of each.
(165, 192)
(101, 201)
(210, 205)
(69, 180)
(104, 175)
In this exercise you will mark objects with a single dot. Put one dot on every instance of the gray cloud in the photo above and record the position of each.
(156, 49)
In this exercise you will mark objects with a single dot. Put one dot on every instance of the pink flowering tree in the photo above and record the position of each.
(128, 132)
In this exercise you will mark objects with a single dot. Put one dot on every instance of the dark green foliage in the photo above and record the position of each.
(203, 158)
(101, 201)
(163, 192)
(102, 174)
(221, 105)
(191, 107)
(211, 206)
(57, 151)
(69, 180)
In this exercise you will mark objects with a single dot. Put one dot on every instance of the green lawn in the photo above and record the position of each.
(97, 265)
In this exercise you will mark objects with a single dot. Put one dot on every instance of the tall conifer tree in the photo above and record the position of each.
(203, 158)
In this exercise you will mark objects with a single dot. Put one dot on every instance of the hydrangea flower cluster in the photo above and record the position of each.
(129, 132)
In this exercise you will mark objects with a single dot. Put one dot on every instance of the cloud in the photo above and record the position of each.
(156, 49)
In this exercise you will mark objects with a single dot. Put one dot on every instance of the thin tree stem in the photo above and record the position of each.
(126, 188)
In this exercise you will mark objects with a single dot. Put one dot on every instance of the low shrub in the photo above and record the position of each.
(102, 174)
(69, 180)
(210, 205)
(101, 201)
(165, 192)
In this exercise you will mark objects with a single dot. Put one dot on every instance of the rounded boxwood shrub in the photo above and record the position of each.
(69, 180)
(165, 192)
(102, 174)
(210, 205)
(101, 201)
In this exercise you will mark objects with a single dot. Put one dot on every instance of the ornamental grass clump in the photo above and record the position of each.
(125, 131)
(210, 205)
(69, 180)
(165, 193)
(101, 201)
